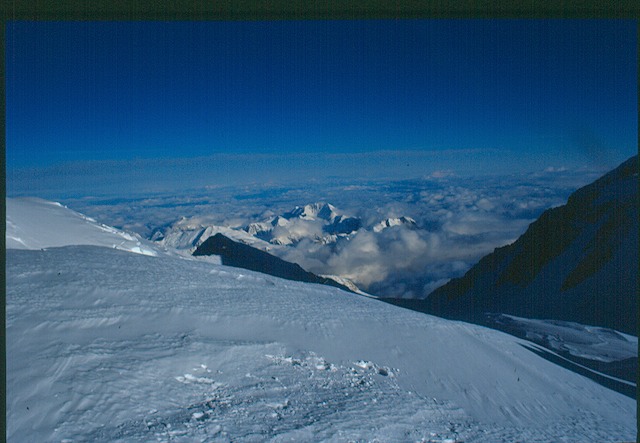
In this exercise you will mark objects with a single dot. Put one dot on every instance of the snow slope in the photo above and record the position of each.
(105, 345)
(590, 342)
(33, 223)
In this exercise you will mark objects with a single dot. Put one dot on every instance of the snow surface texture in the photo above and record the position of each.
(105, 345)
(590, 342)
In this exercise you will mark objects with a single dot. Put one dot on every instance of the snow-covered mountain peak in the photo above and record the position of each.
(279, 221)
(187, 234)
(324, 211)
(396, 221)
(319, 222)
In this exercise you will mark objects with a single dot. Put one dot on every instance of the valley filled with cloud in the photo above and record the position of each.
(393, 238)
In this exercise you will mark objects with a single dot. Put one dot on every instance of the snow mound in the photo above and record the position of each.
(104, 345)
(33, 223)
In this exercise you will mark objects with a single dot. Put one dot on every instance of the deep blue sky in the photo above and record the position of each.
(116, 91)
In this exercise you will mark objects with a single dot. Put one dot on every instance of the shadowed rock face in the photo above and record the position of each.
(577, 262)
(244, 256)
(343, 225)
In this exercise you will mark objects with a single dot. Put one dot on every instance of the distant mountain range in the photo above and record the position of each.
(319, 222)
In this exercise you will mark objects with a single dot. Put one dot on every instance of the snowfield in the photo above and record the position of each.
(590, 342)
(34, 223)
(106, 345)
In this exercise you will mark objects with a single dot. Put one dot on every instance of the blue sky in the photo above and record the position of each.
(535, 92)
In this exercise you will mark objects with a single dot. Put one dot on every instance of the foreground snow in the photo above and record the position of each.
(105, 345)
(33, 223)
(590, 342)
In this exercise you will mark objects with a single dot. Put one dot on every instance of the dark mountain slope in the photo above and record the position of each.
(577, 262)
(244, 256)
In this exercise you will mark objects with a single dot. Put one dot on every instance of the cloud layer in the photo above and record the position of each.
(458, 220)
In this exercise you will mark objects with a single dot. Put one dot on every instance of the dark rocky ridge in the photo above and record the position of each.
(577, 262)
(244, 256)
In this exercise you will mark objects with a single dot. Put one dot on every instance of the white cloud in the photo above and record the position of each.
(456, 222)
(359, 259)
(295, 229)
(485, 204)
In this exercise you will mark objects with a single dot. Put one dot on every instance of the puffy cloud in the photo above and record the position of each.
(359, 259)
(294, 229)
(485, 204)
(472, 223)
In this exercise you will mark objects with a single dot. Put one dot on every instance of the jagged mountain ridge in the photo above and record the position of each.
(319, 222)
(312, 211)
(322, 222)
(577, 262)
(187, 234)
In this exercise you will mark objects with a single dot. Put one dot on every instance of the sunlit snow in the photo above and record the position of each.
(33, 223)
